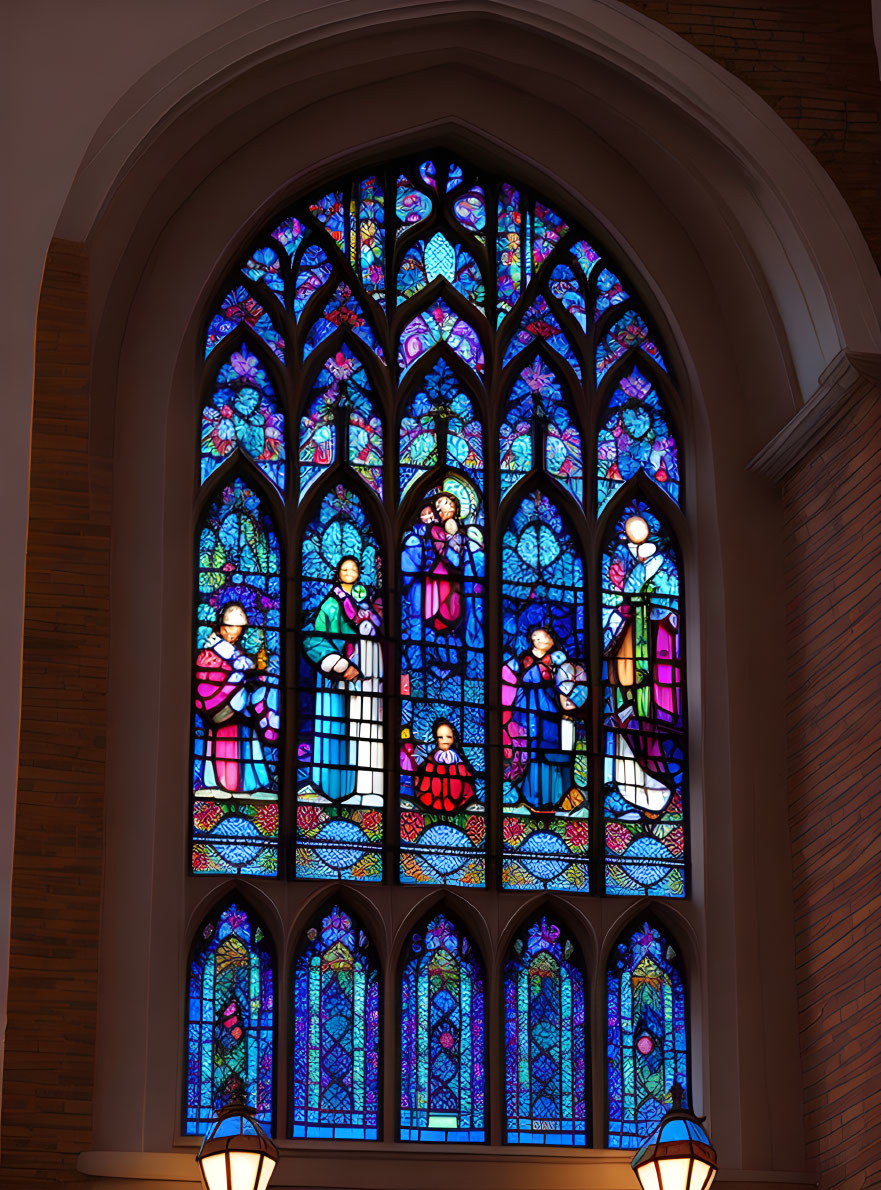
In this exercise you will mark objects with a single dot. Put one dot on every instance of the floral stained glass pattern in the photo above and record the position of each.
(440, 426)
(341, 420)
(538, 426)
(230, 1021)
(243, 413)
(340, 756)
(335, 1066)
(237, 688)
(647, 1035)
(644, 762)
(634, 438)
(545, 690)
(545, 1041)
(236, 309)
(442, 1037)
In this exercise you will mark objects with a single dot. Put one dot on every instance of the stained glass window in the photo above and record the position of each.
(237, 688)
(545, 1040)
(340, 755)
(545, 688)
(335, 1068)
(362, 355)
(647, 1035)
(642, 688)
(230, 1020)
(442, 1037)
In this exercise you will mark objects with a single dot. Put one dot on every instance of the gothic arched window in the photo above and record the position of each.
(230, 1020)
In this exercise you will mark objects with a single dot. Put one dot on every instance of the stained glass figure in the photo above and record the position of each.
(237, 308)
(440, 324)
(341, 422)
(230, 1021)
(539, 324)
(630, 331)
(647, 1035)
(644, 745)
(335, 1067)
(439, 425)
(442, 1037)
(243, 413)
(237, 688)
(340, 755)
(545, 1040)
(443, 694)
(545, 690)
(341, 311)
(538, 425)
(635, 437)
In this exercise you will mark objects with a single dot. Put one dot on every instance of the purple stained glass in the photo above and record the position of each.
(537, 416)
(545, 1040)
(644, 730)
(443, 1039)
(290, 233)
(242, 413)
(440, 324)
(341, 412)
(335, 1065)
(412, 205)
(547, 231)
(230, 1021)
(341, 311)
(236, 309)
(647, 1044)
(371, 237)
(509, 250)
(635, 438)
(470, 210)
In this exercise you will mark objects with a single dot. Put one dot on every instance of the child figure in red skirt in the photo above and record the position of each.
(445, 780)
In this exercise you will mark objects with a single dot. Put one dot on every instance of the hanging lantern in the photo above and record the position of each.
(678, 1155)
(236, 1153)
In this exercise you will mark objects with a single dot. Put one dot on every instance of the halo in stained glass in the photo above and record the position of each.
(230, 1020)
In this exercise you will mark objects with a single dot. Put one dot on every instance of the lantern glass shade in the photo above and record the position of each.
(677, 1156)
(237, 1154)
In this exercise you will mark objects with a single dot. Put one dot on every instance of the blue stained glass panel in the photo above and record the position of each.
(341, 311)
(243, 412)
(443, 692)
(509, 250)
(440, 425)
(330, 211)
(370, 249)
(545, 1041)
(545, 688)
(629, 331)
(536, 412)
(548, 230)
(263, 265)
(470, 210)
(237, 688)
(412, 206)
(340, 765)
(644, 737)
(313, 270)
(425, 261)
(341, 406)
(635, 437)
(237, 308)
(442, 1037)
(440, 324)
(230, 1021)
(647, 1036)
(335, 1067)
(540, 324)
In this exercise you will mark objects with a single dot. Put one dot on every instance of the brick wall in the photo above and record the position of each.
(833, 505)
(816, 65)
(56, 883)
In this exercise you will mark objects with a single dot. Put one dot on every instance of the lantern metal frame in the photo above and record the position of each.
(689, 1142)
(248, 1138)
